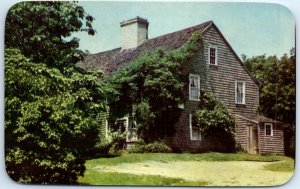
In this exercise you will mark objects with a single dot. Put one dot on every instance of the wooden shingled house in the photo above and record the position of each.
(216, 68)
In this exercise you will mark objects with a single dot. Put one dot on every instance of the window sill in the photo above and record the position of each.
(196, 100)
(196, 140)
(213, 66)
(240, 105)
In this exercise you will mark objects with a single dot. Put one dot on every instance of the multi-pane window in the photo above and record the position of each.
(212, 55)
(195, 133)
(194, 87)
(269, 129)
(240, 92)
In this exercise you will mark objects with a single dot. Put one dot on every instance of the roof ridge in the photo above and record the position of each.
(111, 60)
(144, 41)
(204, 23)
(118, 48)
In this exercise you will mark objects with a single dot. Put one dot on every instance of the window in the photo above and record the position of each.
(212, 55)
(240, 92)
(194, 131)
(121, 124)
(269, 129)
(194, 87)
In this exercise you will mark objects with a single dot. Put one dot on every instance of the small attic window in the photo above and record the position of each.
(239, 92)
(213, 55)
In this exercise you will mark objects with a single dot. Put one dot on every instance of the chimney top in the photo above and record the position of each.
(133, 32)
(137, 19)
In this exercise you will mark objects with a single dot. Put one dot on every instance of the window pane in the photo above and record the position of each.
(239, 92)
(194, 87)
(196, 133)
(268, 130)
(212, 55)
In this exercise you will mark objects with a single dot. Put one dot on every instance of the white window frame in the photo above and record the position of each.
(198, 82)
(244, 92)
(126, 119)
(272, 129)
(199, 138)
(216, 54)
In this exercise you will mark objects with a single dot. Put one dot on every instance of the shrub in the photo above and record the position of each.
(155, 147)
(101, 147)
(215, 123)
(117, 142)
(239, 148)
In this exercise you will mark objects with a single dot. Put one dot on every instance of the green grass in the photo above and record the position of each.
(166, 157)
(282, 166)
(100, 178)
(96, 177)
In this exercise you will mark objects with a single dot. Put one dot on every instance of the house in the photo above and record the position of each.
(216, 69)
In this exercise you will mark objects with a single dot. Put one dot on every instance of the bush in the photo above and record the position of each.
(215, 123)
(155, 147)
(117, 142)
(239, 148)
(101, 148)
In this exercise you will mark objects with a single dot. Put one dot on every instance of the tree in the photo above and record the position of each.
(41, 30)
(152, 87)
(52, 108)
(50, 120)
(277, 77)
(215, 123)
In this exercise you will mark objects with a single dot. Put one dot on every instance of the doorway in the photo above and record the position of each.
(252, 139)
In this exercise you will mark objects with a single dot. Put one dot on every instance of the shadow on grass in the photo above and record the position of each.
(96, 156)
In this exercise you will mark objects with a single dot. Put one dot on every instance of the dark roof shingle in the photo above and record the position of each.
(110, 61)
(256, 118)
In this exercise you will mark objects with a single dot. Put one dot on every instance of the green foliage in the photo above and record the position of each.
(42, 30)
(52, 110)
(155, 147)
(51, 119)
(117, 142)
(277, 90)
(152, 86)
(215, 122)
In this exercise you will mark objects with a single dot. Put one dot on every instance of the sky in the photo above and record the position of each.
(250, 28)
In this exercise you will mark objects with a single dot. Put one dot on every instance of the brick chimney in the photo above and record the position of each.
(133, 32)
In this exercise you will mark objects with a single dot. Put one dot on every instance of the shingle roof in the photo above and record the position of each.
(110, 61)
(256, 118)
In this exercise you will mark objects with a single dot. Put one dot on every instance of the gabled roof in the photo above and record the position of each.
(110, 61)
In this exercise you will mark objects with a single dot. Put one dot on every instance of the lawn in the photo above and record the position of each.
(169, 169)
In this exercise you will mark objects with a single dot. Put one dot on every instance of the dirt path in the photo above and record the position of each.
(228, 173)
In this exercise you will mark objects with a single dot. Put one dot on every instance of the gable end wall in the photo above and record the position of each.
(220, 81)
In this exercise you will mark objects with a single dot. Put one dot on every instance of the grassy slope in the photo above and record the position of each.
(165, 157)
(100, 178)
